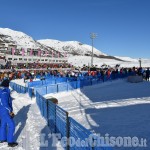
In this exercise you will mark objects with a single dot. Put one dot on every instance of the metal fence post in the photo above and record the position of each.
(93, 146)
(55, 118)
(76, 84)
(46, 89)
(47, 115)
(67, 86)
(68, 131)
(57, 88)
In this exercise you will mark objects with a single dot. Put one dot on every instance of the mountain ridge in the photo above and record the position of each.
(22, 40)
(72, 48)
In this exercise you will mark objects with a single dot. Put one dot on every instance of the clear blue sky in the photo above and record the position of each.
(122, 26)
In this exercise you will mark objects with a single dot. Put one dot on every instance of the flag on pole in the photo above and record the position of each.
(23, 52)
(31, 51)
(46, 53)
(39, 52)
(52, 53)
(65, 54)
(13, 51)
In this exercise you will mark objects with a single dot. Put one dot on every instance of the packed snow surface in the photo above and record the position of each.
(86, 60)
(118, 108)
(30, 125)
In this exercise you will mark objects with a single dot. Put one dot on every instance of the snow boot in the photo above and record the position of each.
(12, 144)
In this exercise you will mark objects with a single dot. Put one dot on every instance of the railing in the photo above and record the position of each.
(18, 88)
(59, 121)
(56, 85)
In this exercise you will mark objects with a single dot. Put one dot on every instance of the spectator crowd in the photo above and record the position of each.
(74, 72)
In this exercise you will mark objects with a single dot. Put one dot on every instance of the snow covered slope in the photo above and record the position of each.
(127, 59)
(71, 47)
(78, 53)
(86, 60)
(20, 39)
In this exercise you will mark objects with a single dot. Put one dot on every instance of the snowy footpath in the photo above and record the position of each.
(32, 132)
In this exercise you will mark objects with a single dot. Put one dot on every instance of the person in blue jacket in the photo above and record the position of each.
(7, 126)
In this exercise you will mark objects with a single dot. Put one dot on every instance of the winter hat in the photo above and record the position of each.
(5, 83)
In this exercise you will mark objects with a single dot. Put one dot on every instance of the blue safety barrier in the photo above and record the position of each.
(35, 83)
(59, 80)
(18, 88)
(59, 122)
(78, 131)
(50, 81)
(60, 84)
(30, 92)
(87, 82)
(80, 84)
(45, 110)
(94, 81)
(52, 88)
(51, 116)
(72, 85)
(62, 87)
(56, 117)
(43, 82)
(42, 91)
